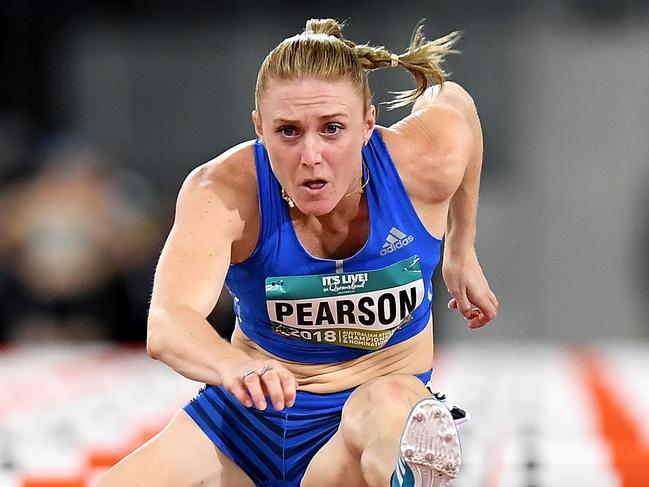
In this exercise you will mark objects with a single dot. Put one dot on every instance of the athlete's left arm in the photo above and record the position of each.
(464, 277)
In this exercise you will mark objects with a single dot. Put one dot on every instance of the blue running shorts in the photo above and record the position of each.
(272, 447)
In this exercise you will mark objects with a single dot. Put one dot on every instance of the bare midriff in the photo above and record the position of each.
(412, 356)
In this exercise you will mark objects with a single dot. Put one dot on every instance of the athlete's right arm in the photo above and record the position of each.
(189, 278)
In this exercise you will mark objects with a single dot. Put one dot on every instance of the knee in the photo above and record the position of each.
(390, 392)
(373, 409)
(385, 397)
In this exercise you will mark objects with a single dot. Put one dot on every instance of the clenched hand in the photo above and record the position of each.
(468, 285)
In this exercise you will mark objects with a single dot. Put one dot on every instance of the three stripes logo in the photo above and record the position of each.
(402, 476)
(400, 471)
(395, 240)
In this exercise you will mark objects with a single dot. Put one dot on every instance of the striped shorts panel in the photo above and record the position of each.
(272, 447)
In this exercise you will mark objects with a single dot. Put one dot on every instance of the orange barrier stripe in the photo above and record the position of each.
(48, 482)
(630, 454)
(97, 458)
(106, 458)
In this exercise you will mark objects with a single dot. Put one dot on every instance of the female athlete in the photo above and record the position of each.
(326, 231)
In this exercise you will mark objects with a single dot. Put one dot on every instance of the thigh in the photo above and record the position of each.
(379, 408)
(374, 413)
(180, 455)
(334, 465)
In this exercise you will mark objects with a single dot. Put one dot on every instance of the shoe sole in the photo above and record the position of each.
(430, 444)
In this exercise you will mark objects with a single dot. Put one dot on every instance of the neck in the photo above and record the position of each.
(338, 219)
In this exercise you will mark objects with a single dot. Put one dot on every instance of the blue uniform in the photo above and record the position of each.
(313, 310)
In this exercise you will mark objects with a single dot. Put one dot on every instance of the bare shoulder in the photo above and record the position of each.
(440, 119)
(452, 95)
(222, 193)
(431, 149)
(225, 175)
(212, 217)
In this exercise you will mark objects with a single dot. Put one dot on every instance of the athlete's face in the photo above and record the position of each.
(314, 131)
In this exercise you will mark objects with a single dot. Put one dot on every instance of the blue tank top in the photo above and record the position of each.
(308, 309)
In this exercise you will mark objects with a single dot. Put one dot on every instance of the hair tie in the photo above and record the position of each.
(394, 60)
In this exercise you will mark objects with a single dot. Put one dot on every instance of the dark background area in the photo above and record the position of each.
(105, 108)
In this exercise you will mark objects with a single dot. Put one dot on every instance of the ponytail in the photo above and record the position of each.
(323, 52)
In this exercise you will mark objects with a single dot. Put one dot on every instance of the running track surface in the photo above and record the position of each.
(542, 415)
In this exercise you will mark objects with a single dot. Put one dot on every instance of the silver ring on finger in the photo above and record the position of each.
(247, 372)
(264, 369)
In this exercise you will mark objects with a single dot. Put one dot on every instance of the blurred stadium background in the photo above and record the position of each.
(104, 109)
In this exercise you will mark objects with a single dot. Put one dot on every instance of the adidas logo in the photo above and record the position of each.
(399, 473)
(395, 240)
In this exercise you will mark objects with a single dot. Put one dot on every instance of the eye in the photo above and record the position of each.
(287, 131)
(332, 129)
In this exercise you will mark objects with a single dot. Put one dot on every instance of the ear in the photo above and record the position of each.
(256, 120)
(370, 123)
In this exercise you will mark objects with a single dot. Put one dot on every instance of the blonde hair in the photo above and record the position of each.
(322, 52)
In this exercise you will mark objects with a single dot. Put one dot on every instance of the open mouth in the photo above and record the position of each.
(314, 184)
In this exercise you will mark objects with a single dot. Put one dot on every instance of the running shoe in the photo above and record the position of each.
(460, 416)
(430, 454)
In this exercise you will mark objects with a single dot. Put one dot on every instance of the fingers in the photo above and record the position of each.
(254, 386)
(493, 299)
(273, 386)
(289, 386)
(478, 321)
(237, 389)
(478, 309)
(484, 301)
(463, 305)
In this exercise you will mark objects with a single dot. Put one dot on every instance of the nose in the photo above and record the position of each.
(311, 151)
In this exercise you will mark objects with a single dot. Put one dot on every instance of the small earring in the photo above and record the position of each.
(288, 199)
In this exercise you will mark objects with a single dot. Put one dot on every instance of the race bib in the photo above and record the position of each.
(350, 309)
